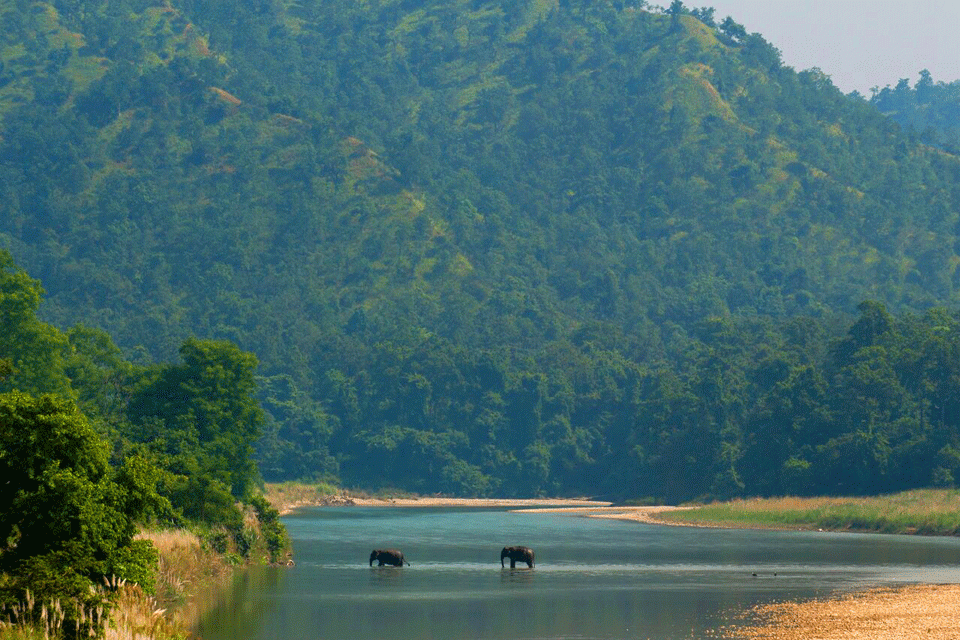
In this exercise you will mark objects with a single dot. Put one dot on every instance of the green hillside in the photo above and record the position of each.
(477, 246)
(929, 110)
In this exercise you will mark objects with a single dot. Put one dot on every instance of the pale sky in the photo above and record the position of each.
(859, 43)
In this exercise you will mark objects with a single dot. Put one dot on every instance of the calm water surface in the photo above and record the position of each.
(594, 579)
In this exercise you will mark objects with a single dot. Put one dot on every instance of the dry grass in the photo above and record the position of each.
(188, 572)
(37, 620)
(32, 620)
(186, 567)
(925, 511)
(137, 616)
(286, 496)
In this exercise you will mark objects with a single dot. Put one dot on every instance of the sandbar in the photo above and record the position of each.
(430, 501)
(647, 515)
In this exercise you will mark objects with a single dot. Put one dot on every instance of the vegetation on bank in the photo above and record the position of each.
(923, 512)
(284, 496)
(94, 448)
(190, 563)
(288, 495)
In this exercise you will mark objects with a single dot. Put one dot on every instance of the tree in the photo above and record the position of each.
(705, 15)
(33, 351)
(675, 10)
(67, 519)
(203, 414)
(732, 29)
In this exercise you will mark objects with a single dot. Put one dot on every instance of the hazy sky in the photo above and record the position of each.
(859, 43)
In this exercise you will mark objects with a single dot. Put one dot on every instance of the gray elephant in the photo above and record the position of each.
(521, 554)
(387, 556)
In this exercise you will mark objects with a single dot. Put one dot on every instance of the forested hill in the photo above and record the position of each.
(478, 240)
(931, 110)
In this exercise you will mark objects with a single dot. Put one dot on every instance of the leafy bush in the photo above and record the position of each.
(273, 531)
(67, 520)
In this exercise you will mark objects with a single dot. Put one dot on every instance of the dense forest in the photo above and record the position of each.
(930, 110)
(487, 246)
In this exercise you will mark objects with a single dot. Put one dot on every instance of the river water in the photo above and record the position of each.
(594, 579)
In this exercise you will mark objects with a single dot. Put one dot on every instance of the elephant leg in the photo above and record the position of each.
(513, 563)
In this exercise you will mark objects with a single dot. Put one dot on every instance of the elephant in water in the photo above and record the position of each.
(387, 556)
(522, 554)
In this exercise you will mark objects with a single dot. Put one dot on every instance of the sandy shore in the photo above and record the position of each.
(480, 502)
(572, 506)
(647, 515)
(510, 503)
(931, 612)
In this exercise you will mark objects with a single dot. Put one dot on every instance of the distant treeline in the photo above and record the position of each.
(929, 110)
(748, 408)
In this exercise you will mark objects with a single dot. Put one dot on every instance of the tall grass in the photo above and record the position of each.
(923, 511)
(32, 620)
(284, 496)
(37, 620)
(137, 615)
(186, 567)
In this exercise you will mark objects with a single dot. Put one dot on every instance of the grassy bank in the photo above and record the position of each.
(192, 567)
(925, 512)
(286, 496)
(187, 565)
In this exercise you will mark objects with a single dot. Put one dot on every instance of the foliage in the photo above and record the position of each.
(271, 528)
(928, 110)
(78, 488)
(478, 247)
(202, 414)
(33, 351)
(66, 518)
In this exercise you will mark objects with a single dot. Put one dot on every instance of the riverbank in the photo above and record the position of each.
(186, 570)
(287, 497)
(646, 515)
(922, 512)
(902, 613)
(919, 512)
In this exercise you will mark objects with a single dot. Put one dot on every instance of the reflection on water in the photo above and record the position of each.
(594, 578)
(517, 576)
(386, 577)
(240, 607)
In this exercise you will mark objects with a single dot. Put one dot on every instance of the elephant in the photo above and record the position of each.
(387, 556)
(523, 554)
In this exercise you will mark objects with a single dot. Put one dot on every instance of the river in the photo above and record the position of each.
(594, 579)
